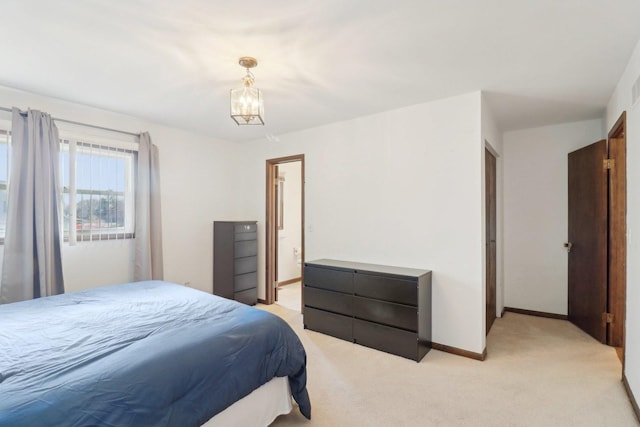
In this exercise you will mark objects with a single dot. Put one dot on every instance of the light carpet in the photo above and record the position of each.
(538, 372)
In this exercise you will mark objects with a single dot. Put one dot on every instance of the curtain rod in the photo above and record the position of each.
(83, 124)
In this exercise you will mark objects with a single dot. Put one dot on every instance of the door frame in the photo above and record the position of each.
(491, 237)
(617, 243)
(271, 223)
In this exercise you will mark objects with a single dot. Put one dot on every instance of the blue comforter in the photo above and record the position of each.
(139, 354)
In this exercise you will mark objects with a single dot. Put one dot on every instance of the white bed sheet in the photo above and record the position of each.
(260, 408)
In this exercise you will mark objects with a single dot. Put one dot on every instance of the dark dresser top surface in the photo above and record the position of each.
(373, 268)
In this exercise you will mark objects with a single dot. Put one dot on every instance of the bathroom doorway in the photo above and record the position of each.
(285, 239)
(289, 224)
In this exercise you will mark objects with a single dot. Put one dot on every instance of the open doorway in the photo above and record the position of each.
(284, 231)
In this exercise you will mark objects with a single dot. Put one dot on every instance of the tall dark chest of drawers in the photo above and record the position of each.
(383, 307)
(235, 260)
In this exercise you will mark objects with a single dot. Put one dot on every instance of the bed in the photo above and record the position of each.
(144, 354)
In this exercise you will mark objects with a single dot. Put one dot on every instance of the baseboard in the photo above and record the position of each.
(459, 352)
(262, 301)
(632, 398)
(502, 313)
(290, 281)
(536, 313)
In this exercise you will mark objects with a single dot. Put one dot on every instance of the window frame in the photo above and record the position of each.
(97, 234)
(5, 186)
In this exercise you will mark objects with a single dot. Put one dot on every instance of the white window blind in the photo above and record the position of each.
(97, 191)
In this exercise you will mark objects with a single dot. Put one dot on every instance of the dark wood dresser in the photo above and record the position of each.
(235, 260)
(382, 307)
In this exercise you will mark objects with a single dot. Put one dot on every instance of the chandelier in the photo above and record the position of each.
(247, 106)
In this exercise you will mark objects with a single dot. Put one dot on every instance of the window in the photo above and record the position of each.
(5, 137)
(97, 191)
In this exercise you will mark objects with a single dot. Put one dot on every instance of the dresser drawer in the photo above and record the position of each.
(387, 313)
(248, 296)
(245, 248)
(242, 282)
(245, 265)
(385, 288)
(385, 338)
(245, 228)
(328, 300)
(238, 237)
(326, 278)
(336, 325)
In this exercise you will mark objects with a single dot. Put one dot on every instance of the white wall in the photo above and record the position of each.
(290, 237)
(492, 140)
(621, 101)
(401, 188)
(535, 213)
(197, 173)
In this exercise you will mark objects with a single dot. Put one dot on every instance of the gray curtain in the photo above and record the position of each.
(148, 257)
(32, 263)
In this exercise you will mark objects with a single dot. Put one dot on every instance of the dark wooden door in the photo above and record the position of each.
(490, 218)
(587, 234)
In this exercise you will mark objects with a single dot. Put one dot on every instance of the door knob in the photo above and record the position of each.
(568, 245)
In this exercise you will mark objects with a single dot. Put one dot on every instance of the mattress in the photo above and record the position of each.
(260, 408)
(139, 354)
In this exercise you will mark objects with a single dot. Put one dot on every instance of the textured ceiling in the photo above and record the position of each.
(173, 62)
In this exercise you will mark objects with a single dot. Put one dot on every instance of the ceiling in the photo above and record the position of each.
(173, 62)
